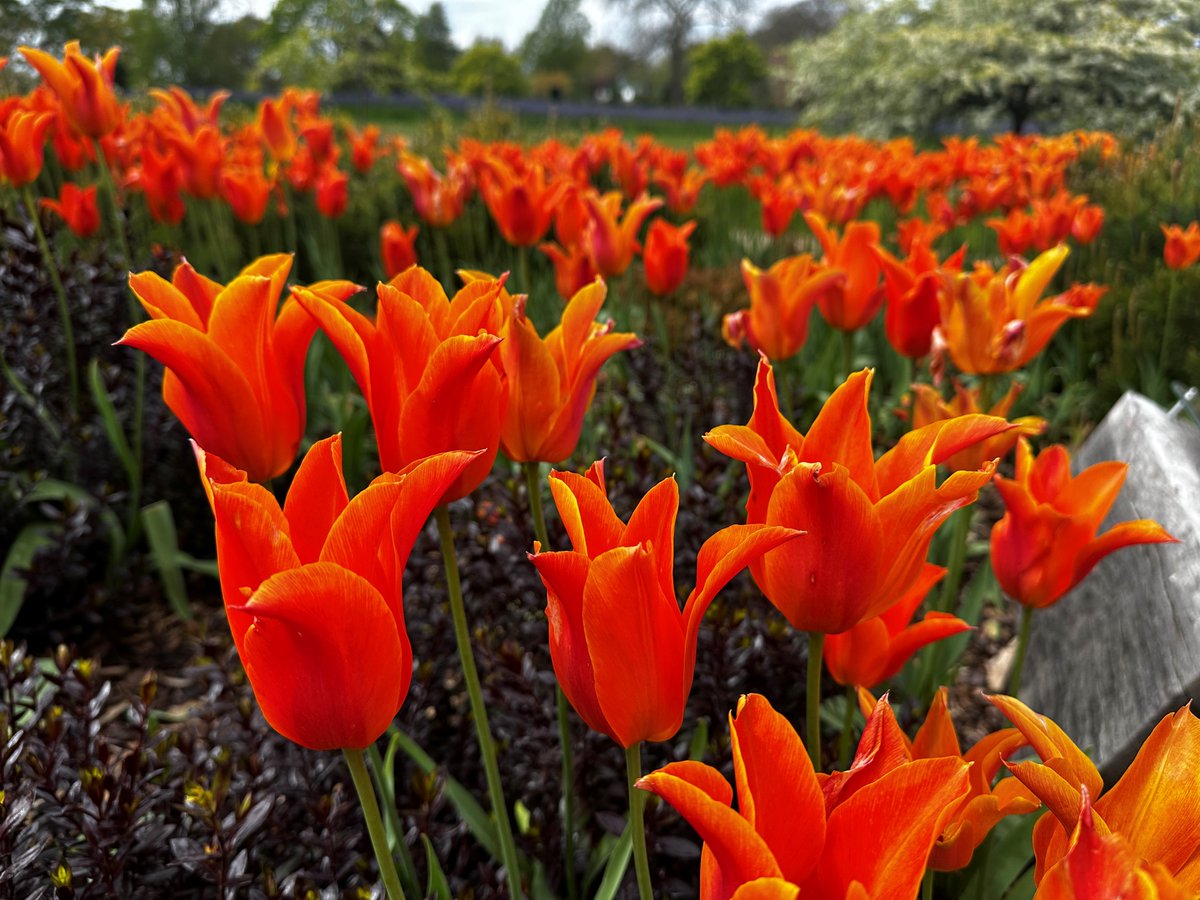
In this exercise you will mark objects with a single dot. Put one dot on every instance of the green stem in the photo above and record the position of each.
(987, 390)
(1014, 681)
(533, 482)
(927, 885)
(1168, 323)
(442, 248)
(525, 286)
(847, 727)
(370, 808)
(64, 307)
(637, 824)
(487, 746)
(387, 796)
(816, 641)
(110, 189)
(958, 557)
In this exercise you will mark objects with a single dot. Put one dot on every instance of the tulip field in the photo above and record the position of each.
(387, 516)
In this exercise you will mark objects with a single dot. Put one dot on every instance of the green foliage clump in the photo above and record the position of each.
(729, 71)
(487, 69)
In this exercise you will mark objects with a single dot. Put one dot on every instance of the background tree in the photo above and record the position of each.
(905, 66)
(729, 71)
(485, 68)
(804, 20)
(559, 40)
(433, 48)
(671, 24)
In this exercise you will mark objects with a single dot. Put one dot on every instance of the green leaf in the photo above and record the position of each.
(112, 424)
(436, 886)
(164, 549)
(618, 862)
(469, 810)
(31, 539)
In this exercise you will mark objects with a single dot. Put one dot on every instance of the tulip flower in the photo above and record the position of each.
(1106, 865)
(987, 801)
(1182, 247)
(315, 606)
(396, 247)
(247, 191)
(438, 199)
(610, 238)
(552, 380)
(332, 192)
(929, 407)
(573, 270)
(275, 127)
(84, 87)
(76, 207)
(876, 649)
(994, 322)
(666, 255)
(781, 303)
(863, 833)
(872, 521)
(623, 651)
(425, 367)
(911, 286)
(1152, 806)
(1047, 541)
(861, 296)
(363, 147)
(522, 203)
(22, 146)
(235, 367)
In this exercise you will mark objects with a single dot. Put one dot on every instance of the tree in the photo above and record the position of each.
(559, 40)
(486, 69)
(905, 66)
(672, 22)
(729, 71)
(433, 48)
(803, 20)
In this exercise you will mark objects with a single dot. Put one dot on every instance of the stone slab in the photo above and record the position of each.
(1122, 650)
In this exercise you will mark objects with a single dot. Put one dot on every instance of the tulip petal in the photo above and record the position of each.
(1050, 742)
(324, 657)
(1124, 534)
(881, 748)
(163, 300)
(535, 390)
(635, 640)
(702, 796)
(936, 736)
(776, 788)
(592, 526)
(767, 889)
(653, 524)
(841, 433)
(316, 498)
(933, 444)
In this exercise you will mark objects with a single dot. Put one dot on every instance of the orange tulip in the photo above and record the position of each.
(522, 203)
(1152, 806)
(623, 651)
(1086, 225)
(552, 381)
(247, 191)
(363, 147)
(863, 833)
(274, 124)
(995, 322)
(1182, 248)
(332, 192)
(235, 368)
(1047, 543)
(781, 303)
(439, 199)
(856, 304)
(911, 286)
(611, 239)
(870, 521)
(84, 87)
(425, 367)
(313, 590)
(666, 255)
(876, 649)
(1106, 865)
(986, 802)
(76, 207)
(573, 270)
(396, 248)
(929, 407)
(161, 180)
(22, 146)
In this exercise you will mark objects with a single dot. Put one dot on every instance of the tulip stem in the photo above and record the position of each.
(487, 746)
(959, 535)
(64, 307)
(637, 824)
(927, 885)
(847, 353)
(1167, 323)
(1014, 680)
(370, 808)
(847, 727)
(533, 483)
(816, 641)
(442, 248)
(114, 208)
